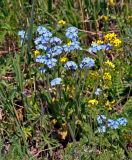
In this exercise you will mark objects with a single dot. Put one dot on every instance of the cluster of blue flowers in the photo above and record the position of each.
(113, 124)
(43, 39)
(72, 33)
(98, 47)
(47, 60)
(86, 63)
(52, 47)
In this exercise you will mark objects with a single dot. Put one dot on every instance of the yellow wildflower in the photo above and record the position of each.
(62, 22)
(27, 132)
(93, 102)
(107, 76)
(105, 18)
(63, 59)
(63, 131)
(109, 63)
(36, 53)
(54, 121)
(116, 42)
(111, 2)
(63, 134)
(109, 104)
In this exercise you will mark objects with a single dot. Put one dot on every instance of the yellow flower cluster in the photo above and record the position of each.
(112, 39)
(110, 64)
(93, 75)
(107, 76)
(62, 22)
(93, 102)
(109, 37)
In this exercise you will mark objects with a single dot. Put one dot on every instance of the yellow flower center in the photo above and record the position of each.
(63, 59)
(69, 43)
(99, 42)
(36, 53)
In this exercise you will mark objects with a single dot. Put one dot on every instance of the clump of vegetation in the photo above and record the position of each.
(65, 85)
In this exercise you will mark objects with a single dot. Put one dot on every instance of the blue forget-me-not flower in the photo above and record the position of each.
(21, 34)
(122, 121)
(98, 91)
(87, 63)
(71, 65)
(55, 51)
(55, 81)
(43, 31)
(101, 119)
(55, 41)
(112, 124)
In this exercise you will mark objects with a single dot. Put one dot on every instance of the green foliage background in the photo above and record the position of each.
(87, 16)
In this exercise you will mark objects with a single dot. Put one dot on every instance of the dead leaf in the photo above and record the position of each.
(19, 114)
(1, 114)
